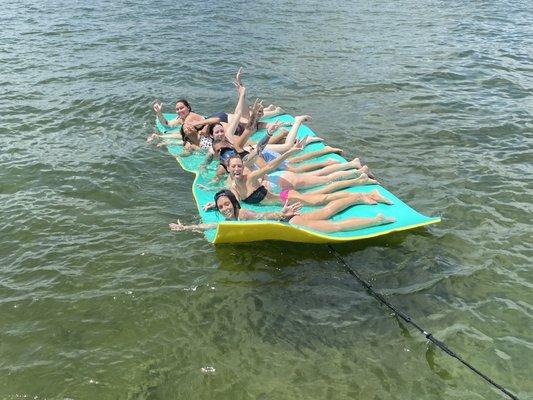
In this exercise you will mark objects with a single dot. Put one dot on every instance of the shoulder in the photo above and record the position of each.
(194, 117)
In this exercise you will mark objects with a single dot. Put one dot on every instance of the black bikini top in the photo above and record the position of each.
(257, 195)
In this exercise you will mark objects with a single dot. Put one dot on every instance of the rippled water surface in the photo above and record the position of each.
(99, 300)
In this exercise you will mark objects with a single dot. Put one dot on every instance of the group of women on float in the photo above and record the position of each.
(267, 172)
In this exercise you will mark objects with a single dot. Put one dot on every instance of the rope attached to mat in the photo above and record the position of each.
(408, 319)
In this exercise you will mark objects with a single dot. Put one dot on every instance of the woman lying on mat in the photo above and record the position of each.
(193, 129)
(257, 186)
(228, 205)
(225, 143)
(186, 117)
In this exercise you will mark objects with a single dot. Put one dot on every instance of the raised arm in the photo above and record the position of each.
(158, 108)
(285, 214)
(205, 122)
(251, 157)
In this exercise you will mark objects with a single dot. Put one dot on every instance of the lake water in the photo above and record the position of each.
(98, 299)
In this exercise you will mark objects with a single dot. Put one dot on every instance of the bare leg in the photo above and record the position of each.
(333, 187)
(377, 197)
(312, 166)
(354, 164)
(272, 111)
(309, 179)
(316, 153)
(348, 224)
(291, 136)
(240, 109)
(312, 139)
(313, 199)
(245, 110)
(337, 206)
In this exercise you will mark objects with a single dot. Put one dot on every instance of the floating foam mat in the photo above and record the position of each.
(249, 231)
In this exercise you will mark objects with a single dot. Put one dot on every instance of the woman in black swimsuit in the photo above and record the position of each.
(252, 188)
(228, 205)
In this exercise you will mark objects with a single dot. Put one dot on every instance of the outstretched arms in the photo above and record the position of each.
(178, 226)
(288, 211)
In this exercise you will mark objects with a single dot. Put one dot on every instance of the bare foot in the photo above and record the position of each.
(369, 173)
(330, 149)
(364, 198)
(303, 118)
(382, 220)
(365, 180)
(357, 163)
(375, 195)
(238, 76)
(313, 139)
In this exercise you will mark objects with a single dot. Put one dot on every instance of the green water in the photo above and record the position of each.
(98, 299)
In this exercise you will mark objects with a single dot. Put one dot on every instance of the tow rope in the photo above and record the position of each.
(409, 320)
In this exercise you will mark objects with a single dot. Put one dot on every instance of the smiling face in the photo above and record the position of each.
(218, 132)
(235, 167)
(225, 206)
(182, 109)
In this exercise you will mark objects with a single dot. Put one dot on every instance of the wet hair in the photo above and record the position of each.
(186, 104)
(184, 137)
(229, 194)
(210, 128)
(228, 161)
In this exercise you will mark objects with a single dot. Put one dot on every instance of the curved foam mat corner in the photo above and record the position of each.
(249, 231)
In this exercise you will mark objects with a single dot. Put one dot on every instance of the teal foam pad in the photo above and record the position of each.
(203, 191)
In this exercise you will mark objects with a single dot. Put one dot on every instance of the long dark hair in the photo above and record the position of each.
(184, 137)
(211, 127)
(186, 104)
(229, 194)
